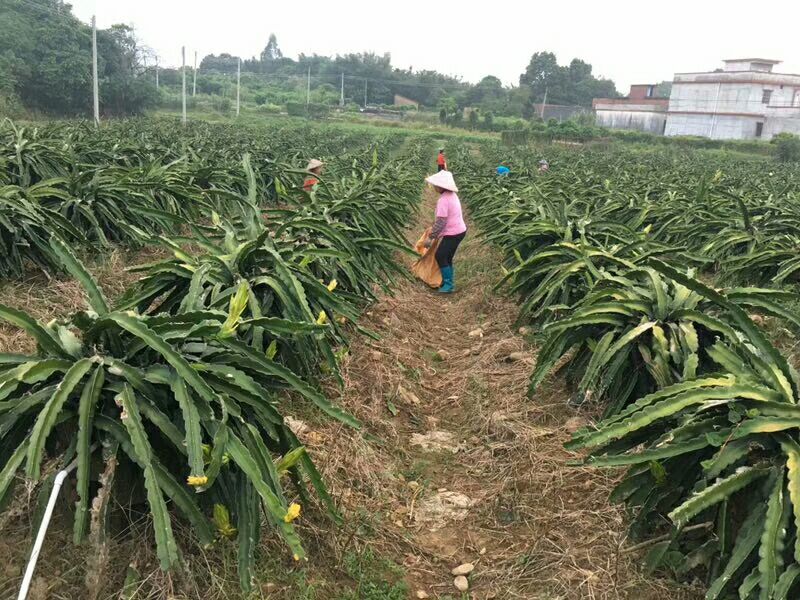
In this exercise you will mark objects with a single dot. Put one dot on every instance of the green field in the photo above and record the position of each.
(170, 294)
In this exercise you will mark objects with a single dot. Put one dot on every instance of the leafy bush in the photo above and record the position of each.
(311, 111)
(787, 147)
(261, 99)
(270, 109)
(222, 105)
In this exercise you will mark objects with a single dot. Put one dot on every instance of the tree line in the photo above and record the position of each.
(574, 84)
(46, 63)
(45, 66)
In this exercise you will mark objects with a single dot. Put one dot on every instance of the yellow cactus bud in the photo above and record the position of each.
(222, 519)
(292, 513)
(197, 481)
(322, 318)
(332, 285)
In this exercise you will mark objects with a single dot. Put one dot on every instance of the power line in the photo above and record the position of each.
(334, 78)
(674, 104)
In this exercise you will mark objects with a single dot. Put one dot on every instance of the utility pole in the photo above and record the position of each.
(156, 72)
(194, 82)
(365, 92)
(183, 72)
(95, 87)
(544, 103)
(341, 97)
(308, 87)
(238, 83)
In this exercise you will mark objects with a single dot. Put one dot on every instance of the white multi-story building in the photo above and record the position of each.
(744, 100)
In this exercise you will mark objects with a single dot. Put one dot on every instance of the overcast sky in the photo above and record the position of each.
(627, 41)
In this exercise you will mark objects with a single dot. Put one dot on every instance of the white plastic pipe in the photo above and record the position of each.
(37, 546)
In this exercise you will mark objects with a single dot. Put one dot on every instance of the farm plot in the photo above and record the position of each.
(175, 393)
(617, 257)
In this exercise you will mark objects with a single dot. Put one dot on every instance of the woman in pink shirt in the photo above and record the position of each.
(449, 226)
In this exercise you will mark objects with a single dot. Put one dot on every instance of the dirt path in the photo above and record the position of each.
(468, 470)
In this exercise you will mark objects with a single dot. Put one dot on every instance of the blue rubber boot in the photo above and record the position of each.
(447, 281)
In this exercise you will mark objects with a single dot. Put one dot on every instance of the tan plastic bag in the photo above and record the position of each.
(426, 268)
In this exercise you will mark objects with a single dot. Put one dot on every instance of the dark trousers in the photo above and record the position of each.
(441, 168)
(447, 249)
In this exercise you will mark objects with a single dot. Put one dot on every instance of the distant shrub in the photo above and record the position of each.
(787, 147)
(312, 110)
(11, 107)
(581, 130)
(222, 105)
(271, 109)
(261, 99)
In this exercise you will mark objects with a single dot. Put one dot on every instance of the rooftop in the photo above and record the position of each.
(768, 61)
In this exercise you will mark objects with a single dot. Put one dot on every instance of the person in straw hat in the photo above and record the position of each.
(314, 169)
(449, 226)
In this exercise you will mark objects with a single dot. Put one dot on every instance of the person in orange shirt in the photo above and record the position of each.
(314, 169)
(441, 161)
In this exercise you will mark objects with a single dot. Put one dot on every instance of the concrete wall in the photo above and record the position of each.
(559, 112)
(718, 127)
(637, 120)
(781, 124)
(749, 65)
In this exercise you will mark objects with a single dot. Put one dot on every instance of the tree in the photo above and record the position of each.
(488, 121)
(573, 85)
(473, 119)
(579, 70)
(448, 104)
(271, 51)
(487, 94)
(123, 89)
(787, 147)
(544, 74)
(224, 63)
(663, 89)
(46, 58)
(442, 116)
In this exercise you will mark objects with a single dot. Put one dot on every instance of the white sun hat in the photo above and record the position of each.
(314, 163)
(444, 180)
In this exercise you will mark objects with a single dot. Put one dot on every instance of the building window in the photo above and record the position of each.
(759, 129)
(765, 97)
(650, 91)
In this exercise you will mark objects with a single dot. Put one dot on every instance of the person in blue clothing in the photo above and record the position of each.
(503, 171)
